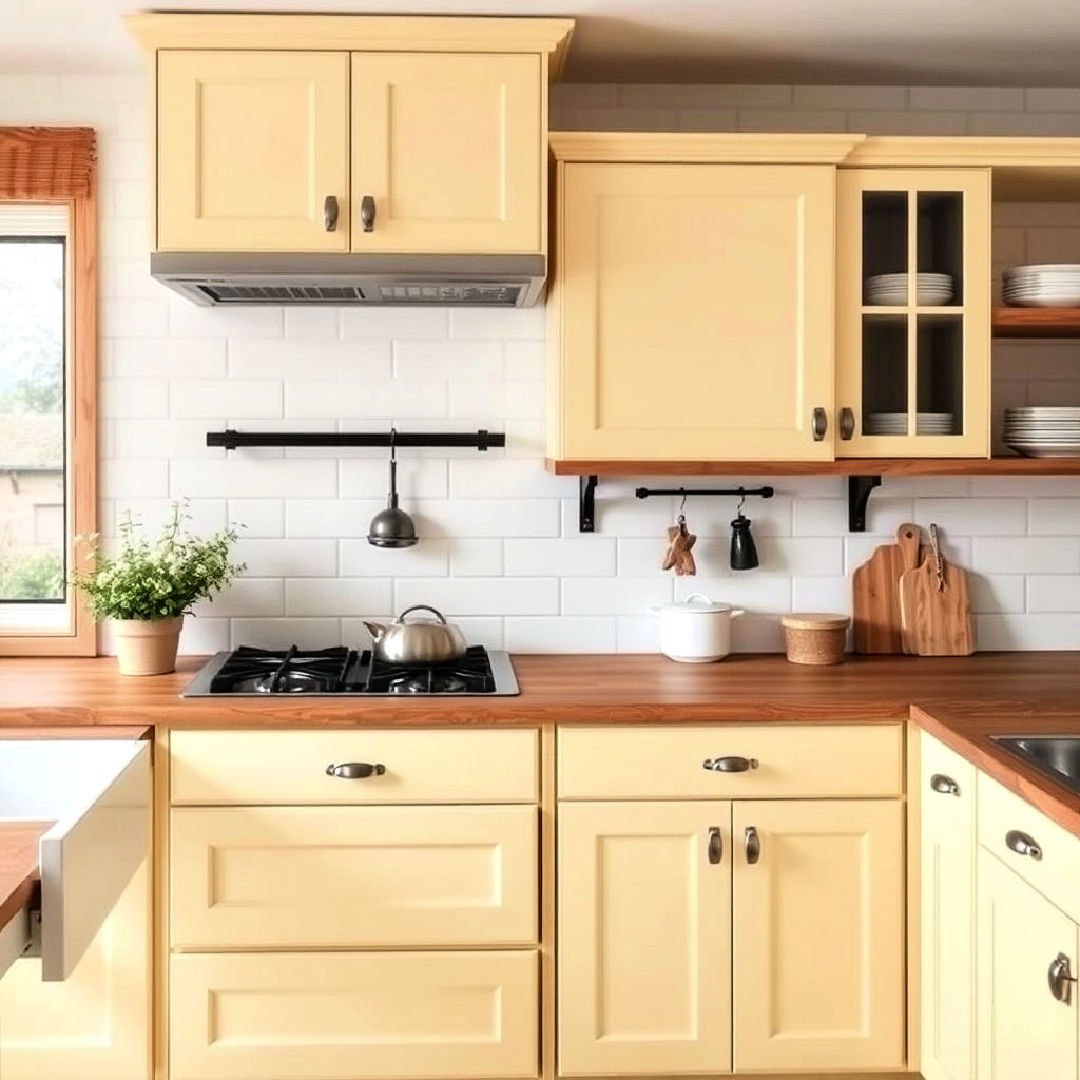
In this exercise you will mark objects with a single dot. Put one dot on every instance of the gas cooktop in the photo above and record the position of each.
(343, 672)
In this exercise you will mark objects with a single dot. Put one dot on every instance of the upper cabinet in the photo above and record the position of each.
(913, 328)
(692, 308)
(380, 134)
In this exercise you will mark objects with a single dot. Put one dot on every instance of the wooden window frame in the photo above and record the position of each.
(58, 165)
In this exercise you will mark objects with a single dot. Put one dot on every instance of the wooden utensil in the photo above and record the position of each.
(876, 595)
(935, 607)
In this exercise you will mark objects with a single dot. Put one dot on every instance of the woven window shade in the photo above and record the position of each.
(46, 163)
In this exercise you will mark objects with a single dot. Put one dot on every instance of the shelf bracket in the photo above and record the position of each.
(587, 503)
(858, 495)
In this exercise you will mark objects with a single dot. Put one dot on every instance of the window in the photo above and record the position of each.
(47, 383)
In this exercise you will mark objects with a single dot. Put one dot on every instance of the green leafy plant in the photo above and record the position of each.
(157, 579)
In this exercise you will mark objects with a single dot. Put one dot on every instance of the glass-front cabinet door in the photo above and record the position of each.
(913, 293)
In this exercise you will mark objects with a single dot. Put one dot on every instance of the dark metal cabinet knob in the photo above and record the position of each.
(1023, 844)
(820, 424)
(367, 213)
(753, 845)
(729, 764)
(1060, 979)
(355, 770)
(330, 213)
(716, 845)
(847, 424)
(944, 785)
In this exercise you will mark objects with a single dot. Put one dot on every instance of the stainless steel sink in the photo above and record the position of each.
(1057, 756)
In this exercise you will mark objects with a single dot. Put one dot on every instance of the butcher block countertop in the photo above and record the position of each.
(19, 870)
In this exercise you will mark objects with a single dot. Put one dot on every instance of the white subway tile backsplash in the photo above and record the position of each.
(258, 518)
(567, 634)
(375, 399)
(330, 518)
(429, 558)
(448, 360)
(166, 358)
(1054, 593)
(637, 634)
(830, 594)
(253, 478)
(135, 478)
(1054, 517)
(246, 597)
(134, 398)
(998, 632)
(614, 596)
(240, 398)
(186, 320)
(337, 596)
(850, 97)
(200, 635)
(288, 558)
(133, 438)
(480, 596)
(467, 518)
(510, 399)
(281, 633)
(974, 517)
(1001, 555)
(502, 324)
(313, 323)
(290, 358)
(394, 324)
(493, 478)
(476, 558)
(801, 556)
(368, 478)
(750, 590)
(996, 594)
(967, 98)
(584, 556)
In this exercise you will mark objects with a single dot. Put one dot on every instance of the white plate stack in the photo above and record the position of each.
(891, 290)
(895, 423)
(1043, 431)
(1052, 285)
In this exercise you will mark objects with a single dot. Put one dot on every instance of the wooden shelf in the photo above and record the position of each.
(1036, 322)
(1003, 466)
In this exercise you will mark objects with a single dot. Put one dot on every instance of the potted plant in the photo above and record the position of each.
(148, 588)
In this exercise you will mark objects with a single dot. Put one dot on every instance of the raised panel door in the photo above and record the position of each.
(695, 312)
(818, 935)
(450, 151)
(644, 973)
(250, 146)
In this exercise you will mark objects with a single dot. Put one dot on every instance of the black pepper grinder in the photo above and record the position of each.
(744, 554)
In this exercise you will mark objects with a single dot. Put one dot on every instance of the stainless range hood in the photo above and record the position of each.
(224, 278)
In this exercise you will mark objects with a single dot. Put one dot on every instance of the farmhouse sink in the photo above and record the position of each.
(96, 793)
(1056, 756)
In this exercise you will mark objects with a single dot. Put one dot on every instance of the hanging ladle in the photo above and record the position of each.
(392, 527)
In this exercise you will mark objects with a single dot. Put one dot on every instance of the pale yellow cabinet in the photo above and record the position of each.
(818, 935)
(95, 1025)
(692, 312)
(1027, 1008)
(448, 152)
(913, 303)
(644, 983)
(252, 151)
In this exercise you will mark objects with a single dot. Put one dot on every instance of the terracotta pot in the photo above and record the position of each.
(146, 646)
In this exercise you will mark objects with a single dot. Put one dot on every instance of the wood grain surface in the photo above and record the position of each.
(875, 588)
(1036, 322)
(936, 621)
(19, 870)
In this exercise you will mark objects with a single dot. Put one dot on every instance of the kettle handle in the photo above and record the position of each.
(422, 607)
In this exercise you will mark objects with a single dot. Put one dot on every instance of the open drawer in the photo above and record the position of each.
(97, 794)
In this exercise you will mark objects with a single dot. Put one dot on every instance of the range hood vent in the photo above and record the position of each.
(231, 279)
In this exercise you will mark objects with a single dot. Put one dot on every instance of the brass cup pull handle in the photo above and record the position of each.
(944, 785)
(753, 845)
(716, 845)
(1023, 844)
(847, 424)
(367, 213)
(733, 763)
(355, 770)
(330, 212)
(819, 424)
(1060, 979)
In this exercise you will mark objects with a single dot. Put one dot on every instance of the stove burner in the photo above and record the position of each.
(289, 682)
(264, 671)
(428, 681)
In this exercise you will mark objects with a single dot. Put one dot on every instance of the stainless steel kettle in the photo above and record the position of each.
(423, 641)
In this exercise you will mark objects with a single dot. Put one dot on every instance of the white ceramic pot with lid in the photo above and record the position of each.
(696, 630)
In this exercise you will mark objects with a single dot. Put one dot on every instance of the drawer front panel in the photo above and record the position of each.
(946, 782)
(354, 876)
(267, 768)
(1056, 873)
(668, 763)
(349, 1016)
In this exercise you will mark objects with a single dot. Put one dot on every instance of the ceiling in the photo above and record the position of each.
(936, 42)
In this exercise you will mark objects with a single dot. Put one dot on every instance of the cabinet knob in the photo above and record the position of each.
(944, 785)
(355, 770)
(819, 424)
(729, 764)
(367, 213)
(1023, 844)
(847, 424)
(716, 845)
(753, 845)
(330, 212)
(1060, 979)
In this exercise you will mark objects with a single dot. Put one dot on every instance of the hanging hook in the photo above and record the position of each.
(393, 444)
(682, 505)
(742, 502)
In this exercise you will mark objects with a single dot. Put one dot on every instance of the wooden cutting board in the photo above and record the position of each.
(936, 621)
(876, 593)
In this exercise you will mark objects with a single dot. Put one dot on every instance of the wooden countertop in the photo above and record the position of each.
(19, 870)
(56, 692)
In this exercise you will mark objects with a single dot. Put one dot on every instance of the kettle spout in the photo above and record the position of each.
(376, 630)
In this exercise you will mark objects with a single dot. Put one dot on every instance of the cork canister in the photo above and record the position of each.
(815, 637)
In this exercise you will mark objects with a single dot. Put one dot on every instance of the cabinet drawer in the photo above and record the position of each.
(946, 782)
(1056, 872)
(309, 877)
(349, 1016)
(261, 768)
(668, 763)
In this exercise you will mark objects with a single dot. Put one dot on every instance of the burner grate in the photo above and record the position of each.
(271, 671)
(471, 674)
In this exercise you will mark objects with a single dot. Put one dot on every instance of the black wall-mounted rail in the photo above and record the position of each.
(234, 440)
(765, 492)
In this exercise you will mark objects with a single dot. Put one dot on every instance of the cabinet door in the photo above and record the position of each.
(250, 146)
(449, 149)
(947, 885)
(696, 310)
(818, 935)
(1023, 1029)
(913, 328)
(644, 938)
(95, 1025)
